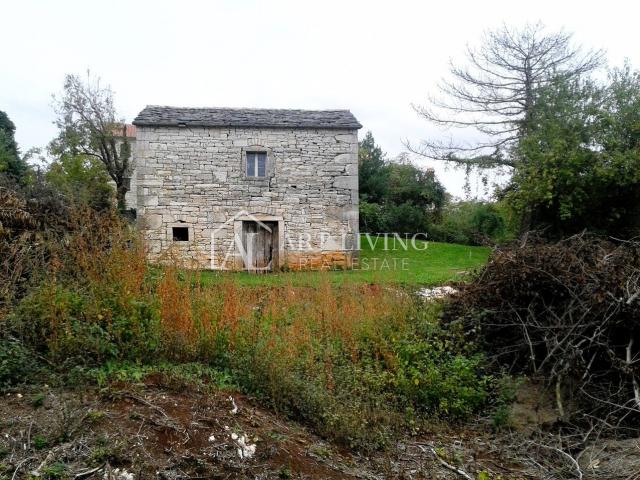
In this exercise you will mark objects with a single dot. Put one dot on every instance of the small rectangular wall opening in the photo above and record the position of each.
(180, 234)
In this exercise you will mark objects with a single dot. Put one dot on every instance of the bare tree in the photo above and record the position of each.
(494, 94)
(88, 125)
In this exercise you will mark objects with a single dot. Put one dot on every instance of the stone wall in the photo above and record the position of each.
(195, 178)
(131, 197)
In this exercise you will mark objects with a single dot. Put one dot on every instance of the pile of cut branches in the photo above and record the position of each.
(568, 312)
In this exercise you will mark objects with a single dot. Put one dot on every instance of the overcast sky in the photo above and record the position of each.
(374, 58)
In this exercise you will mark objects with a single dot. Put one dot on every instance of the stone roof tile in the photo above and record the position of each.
(161, 116)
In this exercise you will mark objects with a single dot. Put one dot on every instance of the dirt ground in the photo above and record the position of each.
(150, 431)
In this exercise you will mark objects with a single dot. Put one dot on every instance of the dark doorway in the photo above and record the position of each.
(260, 242)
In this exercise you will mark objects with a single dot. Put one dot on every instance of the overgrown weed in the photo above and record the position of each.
(357, 362)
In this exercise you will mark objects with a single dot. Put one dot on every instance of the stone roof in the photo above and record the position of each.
(159, 116)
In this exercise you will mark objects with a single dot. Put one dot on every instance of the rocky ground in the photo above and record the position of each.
(150, 431)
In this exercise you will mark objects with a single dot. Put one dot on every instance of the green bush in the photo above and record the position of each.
(176, 375)
(371, 217)
(472, 223)
(394, 218)
(67, 323)
(405, 218)
(406, 373)
(17, 363)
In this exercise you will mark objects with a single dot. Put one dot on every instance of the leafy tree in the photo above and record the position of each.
(395, 196)
(580, 164)
(495, 93)
(11, 162)
(8, 128)
(571, 142)
(409, 184)
(88, 125)
(83, 179)
(372, 170)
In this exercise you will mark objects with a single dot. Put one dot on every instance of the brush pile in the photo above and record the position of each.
(568, 312)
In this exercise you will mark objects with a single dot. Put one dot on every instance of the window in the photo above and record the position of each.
(257, 164)
(180, 234)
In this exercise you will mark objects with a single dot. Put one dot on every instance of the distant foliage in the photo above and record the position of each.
(12, 163)
(472, 223)
(570, 140)
(398, 197)
(371, 217)
(372, 170)
(395, 196)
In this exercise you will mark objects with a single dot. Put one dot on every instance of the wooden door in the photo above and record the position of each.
(260, 244)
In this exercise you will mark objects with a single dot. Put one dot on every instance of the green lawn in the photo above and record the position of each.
(431, 263)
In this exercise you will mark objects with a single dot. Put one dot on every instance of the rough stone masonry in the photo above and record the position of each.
(204, 175)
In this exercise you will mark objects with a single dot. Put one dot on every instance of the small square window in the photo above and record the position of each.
(257, 164)
(180, 234)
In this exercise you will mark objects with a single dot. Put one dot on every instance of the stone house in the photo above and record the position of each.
(253, 189)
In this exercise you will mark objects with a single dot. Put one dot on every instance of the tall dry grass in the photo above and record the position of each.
(357, 362)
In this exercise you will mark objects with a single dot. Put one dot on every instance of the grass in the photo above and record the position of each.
(425, 263)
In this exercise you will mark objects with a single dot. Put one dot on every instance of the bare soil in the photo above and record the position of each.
(151, 431)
